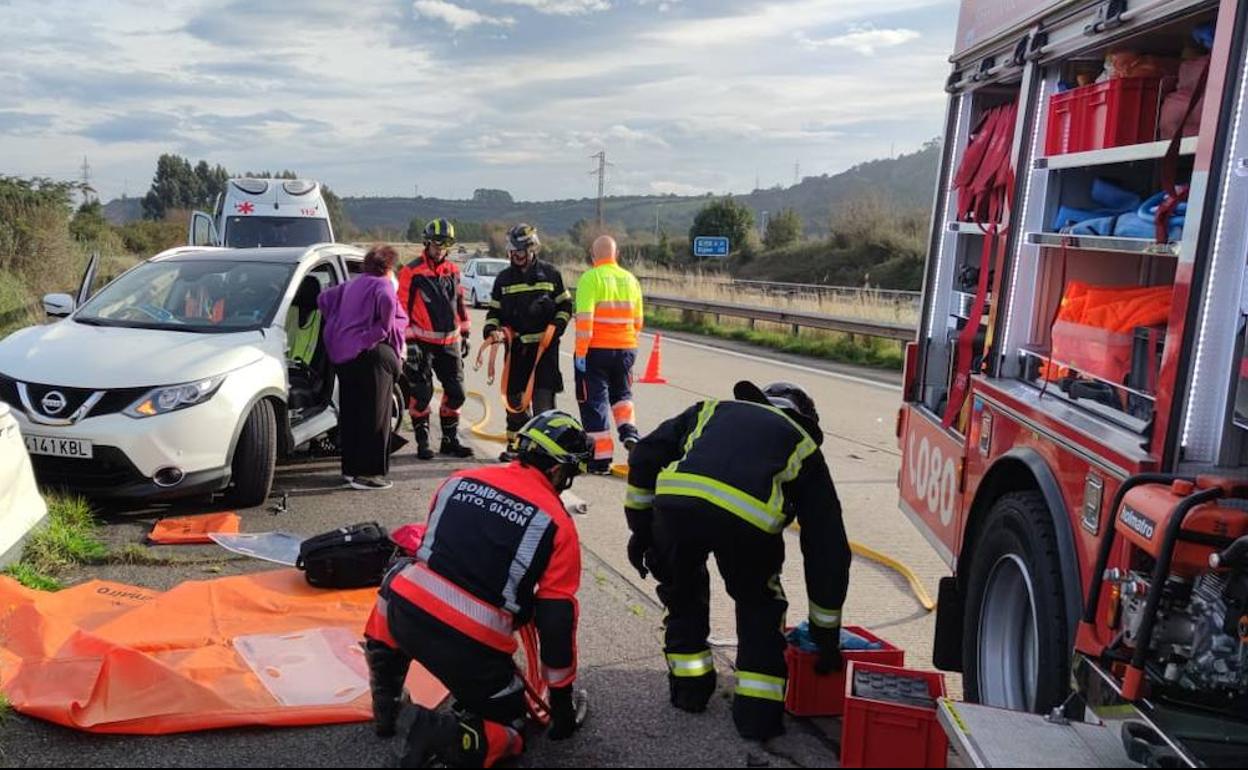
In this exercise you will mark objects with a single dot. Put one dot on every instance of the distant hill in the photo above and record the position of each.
(122, 210)
(908, 181)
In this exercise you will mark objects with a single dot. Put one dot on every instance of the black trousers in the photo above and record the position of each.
(423, 362)
(547, 381)
(365, 387)
(686, 533)
(483, 681)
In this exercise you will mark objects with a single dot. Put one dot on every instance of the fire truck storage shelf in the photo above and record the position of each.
(1141, 246)
(992, 737)
(1131, 153)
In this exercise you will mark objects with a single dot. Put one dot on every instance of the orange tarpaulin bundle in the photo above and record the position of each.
(1094, 326)
(1115, 308)
(194, 529)
(110, 658)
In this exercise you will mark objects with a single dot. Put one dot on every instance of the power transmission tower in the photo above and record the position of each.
(797, 173)
(86, 180)
(602, 184)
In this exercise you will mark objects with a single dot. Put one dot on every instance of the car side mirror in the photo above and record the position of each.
(58, 305)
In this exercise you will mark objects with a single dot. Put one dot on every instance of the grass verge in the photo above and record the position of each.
(861, 351)
(32, 578)
(68, 538)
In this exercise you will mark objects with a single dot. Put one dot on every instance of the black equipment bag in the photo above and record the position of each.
(356, 556)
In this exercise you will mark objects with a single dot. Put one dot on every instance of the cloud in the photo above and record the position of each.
(668, 187)
(18, 123)
(562, 7)
(200, 129)
(863, 40)
(457, 17)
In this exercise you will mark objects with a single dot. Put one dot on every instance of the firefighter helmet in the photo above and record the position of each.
(523, 237)
(790, 398)
(553, 440)
(440, 231)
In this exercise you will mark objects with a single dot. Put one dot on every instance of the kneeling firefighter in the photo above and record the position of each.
(727, 478)
(500, 551)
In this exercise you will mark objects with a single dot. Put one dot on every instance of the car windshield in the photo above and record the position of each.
(490, 269)
(213, 296)
(254, 232)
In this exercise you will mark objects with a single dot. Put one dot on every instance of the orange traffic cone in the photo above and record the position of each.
(654, 366)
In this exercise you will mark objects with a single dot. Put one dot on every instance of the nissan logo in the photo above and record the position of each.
(53, 403)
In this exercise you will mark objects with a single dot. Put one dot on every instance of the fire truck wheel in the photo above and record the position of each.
(1015, 647)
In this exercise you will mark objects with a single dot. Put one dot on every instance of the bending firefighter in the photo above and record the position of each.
(500, 552)
(726, 478)
(437, 337)
(529, 312)
(608, 319)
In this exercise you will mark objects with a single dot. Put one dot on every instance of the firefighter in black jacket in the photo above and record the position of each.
(529, 312)
(728, 477)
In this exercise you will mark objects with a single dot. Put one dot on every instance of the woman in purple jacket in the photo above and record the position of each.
(364, 325)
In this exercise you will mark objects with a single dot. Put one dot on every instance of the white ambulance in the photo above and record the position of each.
(254, 213)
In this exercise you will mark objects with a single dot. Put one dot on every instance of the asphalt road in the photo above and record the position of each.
(621, 661)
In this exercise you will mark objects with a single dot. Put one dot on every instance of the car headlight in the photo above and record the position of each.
(174, 397)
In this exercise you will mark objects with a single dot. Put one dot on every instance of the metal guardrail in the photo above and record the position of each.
(857, 292)
(796, 319)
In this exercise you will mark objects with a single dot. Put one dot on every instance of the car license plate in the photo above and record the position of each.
(60, 447)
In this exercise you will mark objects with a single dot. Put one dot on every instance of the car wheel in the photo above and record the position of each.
(1015, 647)
(398, 407)
(255, 458)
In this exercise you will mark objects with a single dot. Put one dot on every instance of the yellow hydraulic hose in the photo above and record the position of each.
(479, 428)
(916, 585)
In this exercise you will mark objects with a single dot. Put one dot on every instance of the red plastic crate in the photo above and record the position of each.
(1093, 350)
(1115, 113)
(882, 734)
(811, 695)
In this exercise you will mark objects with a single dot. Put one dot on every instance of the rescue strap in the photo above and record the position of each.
(1175, 193)
(990, 186)
(543, 345)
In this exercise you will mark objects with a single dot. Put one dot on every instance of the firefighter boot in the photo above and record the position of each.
(757, 719)
(431, 737)
(420, 426)
(387, 668)
(478, 743)
(691, 693)
(450, 440)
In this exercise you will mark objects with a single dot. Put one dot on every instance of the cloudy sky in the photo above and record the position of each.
(376, 97)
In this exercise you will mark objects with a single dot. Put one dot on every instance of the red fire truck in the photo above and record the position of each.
(1075, 425)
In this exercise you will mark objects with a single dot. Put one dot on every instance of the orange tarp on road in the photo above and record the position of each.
(110, 658)
(194, 529)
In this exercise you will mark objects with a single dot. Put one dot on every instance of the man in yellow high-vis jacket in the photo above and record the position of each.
(608, 320)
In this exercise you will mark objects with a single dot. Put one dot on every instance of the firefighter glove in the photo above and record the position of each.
(638, 546)
(465, 347)
(562, 714)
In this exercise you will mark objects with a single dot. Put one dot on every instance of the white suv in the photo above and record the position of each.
(176, 379)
